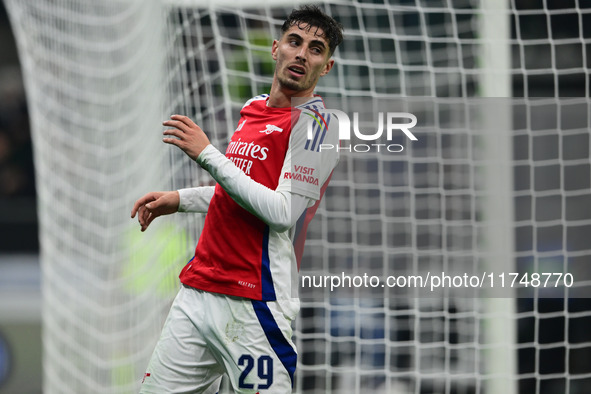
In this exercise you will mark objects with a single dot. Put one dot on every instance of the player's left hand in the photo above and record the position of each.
(190, 138)
(155, 204)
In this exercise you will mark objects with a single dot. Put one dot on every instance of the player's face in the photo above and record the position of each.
(302, 56)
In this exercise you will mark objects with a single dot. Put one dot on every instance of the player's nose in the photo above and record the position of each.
(301, 54)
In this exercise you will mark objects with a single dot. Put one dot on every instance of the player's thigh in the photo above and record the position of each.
(257, 349)
(181, 361)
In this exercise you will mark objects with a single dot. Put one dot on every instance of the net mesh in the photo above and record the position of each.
(101, 76)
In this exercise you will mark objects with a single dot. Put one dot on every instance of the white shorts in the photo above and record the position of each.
(207, 335)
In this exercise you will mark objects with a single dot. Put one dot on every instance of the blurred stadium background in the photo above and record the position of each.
(554, 64)
(20, 292)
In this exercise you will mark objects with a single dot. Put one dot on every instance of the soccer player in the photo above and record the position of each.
(234, 311)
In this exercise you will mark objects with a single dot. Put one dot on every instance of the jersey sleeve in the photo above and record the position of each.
(310, 159)
(195, 199)
(278, 209)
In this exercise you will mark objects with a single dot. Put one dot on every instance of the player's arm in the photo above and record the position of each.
(155, 204)
(195, 199)
(278, 209)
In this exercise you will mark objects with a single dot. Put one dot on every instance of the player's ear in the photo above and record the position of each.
(274, 49)
(327, 67)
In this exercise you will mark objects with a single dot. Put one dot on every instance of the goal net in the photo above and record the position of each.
(492, 200)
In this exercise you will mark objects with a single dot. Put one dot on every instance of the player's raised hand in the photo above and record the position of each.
(190, 138)
(155, 204)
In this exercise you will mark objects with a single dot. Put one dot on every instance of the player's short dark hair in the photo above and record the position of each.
(308, 16)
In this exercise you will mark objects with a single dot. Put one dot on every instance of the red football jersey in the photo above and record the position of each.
(237, 253)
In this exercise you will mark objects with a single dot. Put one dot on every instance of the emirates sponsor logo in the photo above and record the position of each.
(251, 149)
(247, 151)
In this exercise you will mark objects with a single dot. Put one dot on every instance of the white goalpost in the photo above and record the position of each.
(499, 326)
(495, 188)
